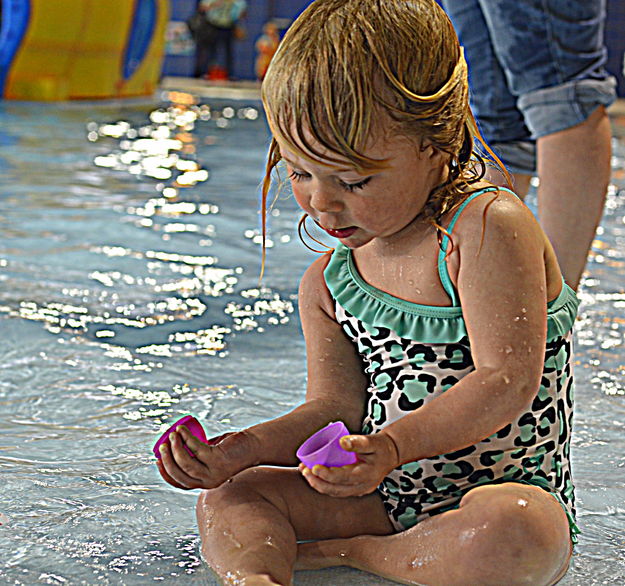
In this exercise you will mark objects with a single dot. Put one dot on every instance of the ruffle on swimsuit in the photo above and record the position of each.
(426, 323)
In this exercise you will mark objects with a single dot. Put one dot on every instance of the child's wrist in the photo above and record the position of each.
(248, 449)
(393, 449)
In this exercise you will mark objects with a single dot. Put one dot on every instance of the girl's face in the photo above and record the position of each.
(381, 204)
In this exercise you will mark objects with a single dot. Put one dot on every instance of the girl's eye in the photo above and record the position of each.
(297, 176)
(355, 186)
(301, 176)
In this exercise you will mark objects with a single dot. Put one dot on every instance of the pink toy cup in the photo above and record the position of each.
(192, 424)
(324, 448)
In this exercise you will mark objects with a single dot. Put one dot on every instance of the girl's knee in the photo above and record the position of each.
(521, 529)
(251, 485)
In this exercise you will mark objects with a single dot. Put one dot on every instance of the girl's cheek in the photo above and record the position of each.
(300, 198)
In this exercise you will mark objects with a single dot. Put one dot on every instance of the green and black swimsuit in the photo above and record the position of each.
(413, 353)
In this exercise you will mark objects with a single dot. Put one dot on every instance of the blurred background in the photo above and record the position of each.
(126, 47)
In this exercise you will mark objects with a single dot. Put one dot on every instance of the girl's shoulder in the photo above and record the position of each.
(491, 208)
(496, 223)
(313, 289)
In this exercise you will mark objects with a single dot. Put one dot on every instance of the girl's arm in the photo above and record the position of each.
(503, 290)
(335, 391)
(336, 381)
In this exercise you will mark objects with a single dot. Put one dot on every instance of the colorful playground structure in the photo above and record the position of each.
(81, 49)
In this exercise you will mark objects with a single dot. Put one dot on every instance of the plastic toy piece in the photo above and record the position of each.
(324, 448)
(192, 424)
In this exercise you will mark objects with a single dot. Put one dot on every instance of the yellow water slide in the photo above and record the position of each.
(82, 49)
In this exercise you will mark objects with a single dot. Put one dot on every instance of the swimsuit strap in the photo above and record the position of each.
(442, 253)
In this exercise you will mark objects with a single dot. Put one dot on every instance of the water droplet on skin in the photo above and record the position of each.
(469, 534)
(515, 235)
(506, 379)
(342, 554)
(507, 349)
(522, 503)
(234, 541)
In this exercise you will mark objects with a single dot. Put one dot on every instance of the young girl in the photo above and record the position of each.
(438, 330)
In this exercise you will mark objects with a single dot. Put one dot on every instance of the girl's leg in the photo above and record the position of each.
(250, 525)
(501, 534)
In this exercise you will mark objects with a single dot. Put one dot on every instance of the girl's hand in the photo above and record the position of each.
(214, 462)
(377, 456)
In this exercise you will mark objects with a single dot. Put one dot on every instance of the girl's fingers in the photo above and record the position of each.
(195, 466)
(359, 444)
(339, 475)
(166, 477)
(190, 465)
(332, 489)
(188, 439)
(172, 468)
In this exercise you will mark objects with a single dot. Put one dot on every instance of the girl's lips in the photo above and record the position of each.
(342, 233)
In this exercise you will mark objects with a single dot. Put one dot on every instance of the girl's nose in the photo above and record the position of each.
(325, 200)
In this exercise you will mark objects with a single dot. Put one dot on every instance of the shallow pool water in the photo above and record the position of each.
(129, 264)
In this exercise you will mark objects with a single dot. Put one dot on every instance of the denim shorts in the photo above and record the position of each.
(535, 67)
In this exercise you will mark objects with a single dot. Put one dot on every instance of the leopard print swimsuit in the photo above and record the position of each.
(413, 353)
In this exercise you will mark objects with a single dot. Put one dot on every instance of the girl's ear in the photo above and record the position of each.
(429, 151)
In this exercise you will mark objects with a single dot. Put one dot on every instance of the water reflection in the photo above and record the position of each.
(164, 287)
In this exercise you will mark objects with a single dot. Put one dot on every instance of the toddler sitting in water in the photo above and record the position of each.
(438, 330)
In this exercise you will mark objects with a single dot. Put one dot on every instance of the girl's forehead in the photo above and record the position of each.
(319, 155)
(301, 146)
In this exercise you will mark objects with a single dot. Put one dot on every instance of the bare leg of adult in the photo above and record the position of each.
(521, 181)
(574, 171)
(521, 184)
(501, 534)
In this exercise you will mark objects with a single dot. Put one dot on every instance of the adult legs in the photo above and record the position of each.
(501, 534)
(204, 56)
(574, 171)
(552, 53)
(201, 60)
(495, 107)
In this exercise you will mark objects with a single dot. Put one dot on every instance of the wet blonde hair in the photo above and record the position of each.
(347, 66)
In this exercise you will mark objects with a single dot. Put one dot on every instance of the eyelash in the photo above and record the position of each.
(351, 187)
